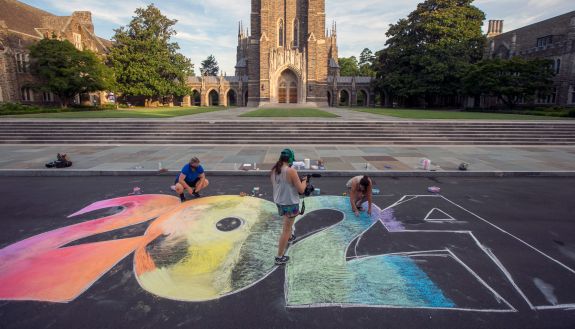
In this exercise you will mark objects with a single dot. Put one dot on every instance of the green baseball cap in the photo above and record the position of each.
(288, 154)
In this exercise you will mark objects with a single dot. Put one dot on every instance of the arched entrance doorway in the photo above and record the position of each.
(343, 98)
(328, 99)
(246, 98)
(196, 98)
(213, 98)
(288, 88)
(232, 98)
(362, 98)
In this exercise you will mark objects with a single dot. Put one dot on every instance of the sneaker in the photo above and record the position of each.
(196, 194)
(182, 197)
(292, 238)
(282, 260)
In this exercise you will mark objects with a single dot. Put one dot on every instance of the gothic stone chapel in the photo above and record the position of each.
(289, 58)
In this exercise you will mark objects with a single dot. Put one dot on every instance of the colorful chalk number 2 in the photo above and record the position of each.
(206, 249)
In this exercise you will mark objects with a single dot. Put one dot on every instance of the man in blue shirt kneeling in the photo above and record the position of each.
(191, 179)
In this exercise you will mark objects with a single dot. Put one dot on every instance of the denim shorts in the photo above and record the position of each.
(290, 210)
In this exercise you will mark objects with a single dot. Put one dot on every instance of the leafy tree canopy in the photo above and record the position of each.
(67, 71)
(428, 52)
(348, 66)
(145, 61)
(509, 80)
(210, 66)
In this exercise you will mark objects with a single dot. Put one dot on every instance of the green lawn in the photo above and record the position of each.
(289, 113)
(143, 113)
(439, 114)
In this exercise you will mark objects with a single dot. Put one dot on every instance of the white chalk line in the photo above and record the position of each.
(349, 305)
(515, 237)
(450, 218)
(502, 267)
(470, 233)
(478, 278)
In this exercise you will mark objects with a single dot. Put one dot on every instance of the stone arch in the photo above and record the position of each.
(246, 98)
(344, 98)
(362, 97)
(196, 98)
(288, 87)
(231, 97)
(275, 81)
(212, 98)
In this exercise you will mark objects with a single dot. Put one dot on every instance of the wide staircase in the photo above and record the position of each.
(288, 132)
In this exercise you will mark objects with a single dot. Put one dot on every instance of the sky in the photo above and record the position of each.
(210, 26)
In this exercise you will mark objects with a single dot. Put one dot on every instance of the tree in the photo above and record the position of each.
(366, 60)
(67, 71)
(428, 52)
(348, 67)
(145, 62)
(210, 66)
(509, 80)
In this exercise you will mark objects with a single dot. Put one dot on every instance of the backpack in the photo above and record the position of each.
(62, 162)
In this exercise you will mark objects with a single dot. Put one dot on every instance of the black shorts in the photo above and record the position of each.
(190, 183)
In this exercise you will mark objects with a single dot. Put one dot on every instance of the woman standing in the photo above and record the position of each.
(287, 187)
(360, 191)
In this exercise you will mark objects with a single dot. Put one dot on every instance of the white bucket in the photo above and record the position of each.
(307, 163)
(425, 164)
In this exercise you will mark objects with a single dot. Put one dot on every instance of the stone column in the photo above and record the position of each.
(187, 101)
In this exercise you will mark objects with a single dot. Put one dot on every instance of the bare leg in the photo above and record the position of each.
(179, 188)
(202, 185)
(286, 233)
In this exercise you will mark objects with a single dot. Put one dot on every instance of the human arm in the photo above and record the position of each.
(352, 197)
(369, 197)
(296, 181)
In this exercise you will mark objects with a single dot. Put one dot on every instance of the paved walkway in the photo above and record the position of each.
(338, 158)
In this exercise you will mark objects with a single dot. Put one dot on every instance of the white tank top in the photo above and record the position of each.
(285, 193)
(356, 179)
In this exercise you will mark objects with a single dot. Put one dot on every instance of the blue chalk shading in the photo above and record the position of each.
(319, 273)
(394, 281)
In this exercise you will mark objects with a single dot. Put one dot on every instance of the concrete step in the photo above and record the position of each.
(283, 142)
(278, 132)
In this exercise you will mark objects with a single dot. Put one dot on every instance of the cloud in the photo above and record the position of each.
(210, 27)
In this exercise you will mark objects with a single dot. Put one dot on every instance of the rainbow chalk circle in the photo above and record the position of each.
(208, 248)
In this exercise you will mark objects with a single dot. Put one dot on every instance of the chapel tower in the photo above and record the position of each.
(289, 54)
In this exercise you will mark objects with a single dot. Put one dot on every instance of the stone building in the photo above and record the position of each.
(552, 39)
(288, 58)
(21, 26)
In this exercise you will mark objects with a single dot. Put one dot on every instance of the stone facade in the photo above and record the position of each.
(552, 39)
(21, 26)
(289, 58)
